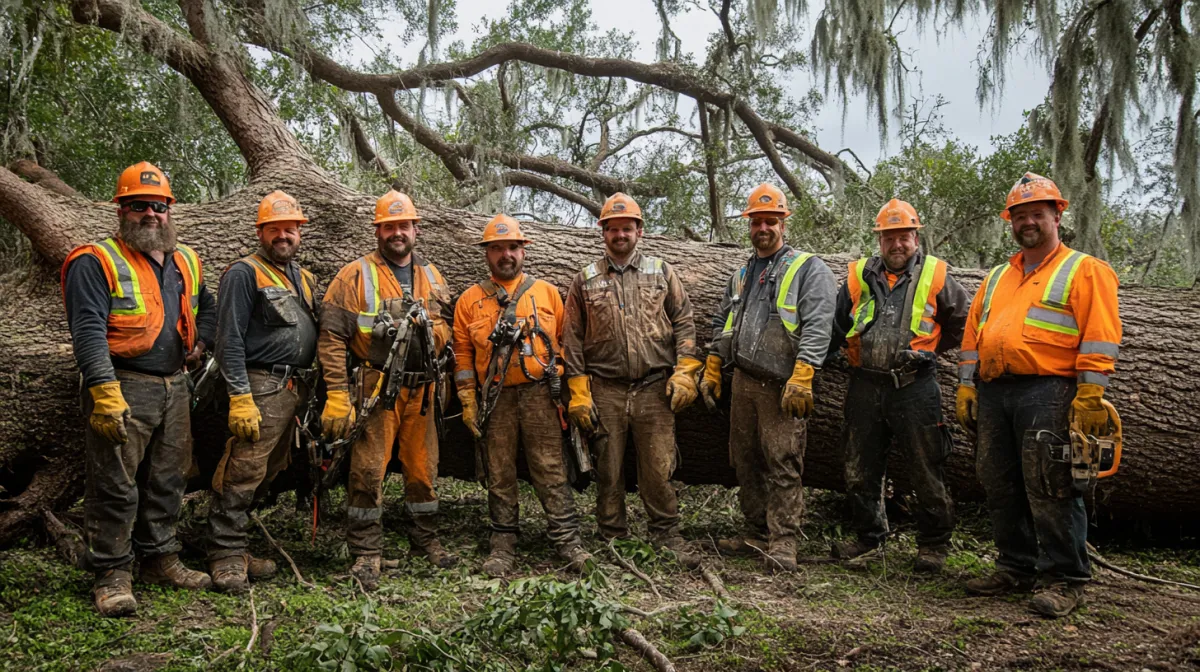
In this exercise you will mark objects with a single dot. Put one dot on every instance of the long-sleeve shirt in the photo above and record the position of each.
(259, 328)
(476, 315)
(89, 303)
(626, 322)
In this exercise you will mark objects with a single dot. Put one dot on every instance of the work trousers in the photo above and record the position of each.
(1039, 521)
(248, 467)
(766, 447)
(369, 457)
(644, 411)
(875, 414)
(134, 490)
(526, 415)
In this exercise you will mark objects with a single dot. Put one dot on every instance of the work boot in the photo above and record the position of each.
(930, 560)
(167, 570)
(781, 556)
(258, 568)
(1057, 599)
(675, 545)
(229, 574)
(999, 582)
(746, 545)
(112, 593)
(366, 570)
(423, 542)
(579, 559)
(848, 550)
(503, 557)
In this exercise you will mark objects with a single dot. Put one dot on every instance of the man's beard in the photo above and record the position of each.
(622, 248)
(765, 240)
(1030, 237)
(896, 262)
(281, 255)
(161, 238)
(506, 273)
(397, 246)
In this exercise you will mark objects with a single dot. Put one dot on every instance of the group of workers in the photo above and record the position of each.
(1038, 343)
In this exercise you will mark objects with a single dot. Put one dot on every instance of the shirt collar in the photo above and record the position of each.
(634, 260)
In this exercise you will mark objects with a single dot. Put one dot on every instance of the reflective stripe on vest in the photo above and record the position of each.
(789, 295)
(127, 295)
(863, 313)
(1055, 315)
(281, 281)
(738, 282)
(193, 266)
(371, 297)
(993, 279)
(924, 306)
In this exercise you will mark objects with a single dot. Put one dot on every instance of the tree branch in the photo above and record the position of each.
(518, 178)
(450, 155)
(648, 131)
(710, 174)
(365, 153)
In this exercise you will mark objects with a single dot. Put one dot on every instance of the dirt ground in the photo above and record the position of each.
(879, 616)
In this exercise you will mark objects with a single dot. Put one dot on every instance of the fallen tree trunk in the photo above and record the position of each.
(40, 437)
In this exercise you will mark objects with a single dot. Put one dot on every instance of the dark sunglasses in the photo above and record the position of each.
(141, 206)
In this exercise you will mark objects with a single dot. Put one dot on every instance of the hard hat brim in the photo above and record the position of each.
(619, 215)
(503, 239)
(766, 211)
(143, 192)
(877, 228)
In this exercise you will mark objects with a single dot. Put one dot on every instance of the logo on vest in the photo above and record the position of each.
(151, 178)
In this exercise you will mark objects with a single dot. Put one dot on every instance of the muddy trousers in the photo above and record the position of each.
(134, 490)
(247, 468)
(369, 457)
(646, 413)
(876, 413)
(767, 450)
(1039, 521)
(525, 415)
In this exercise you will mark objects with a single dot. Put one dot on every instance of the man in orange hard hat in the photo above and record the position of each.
(1042, 339)
(266, 347)
(389, 310)
(630, 334)
(895, 313)
(507, 331)
(773, 330)
(139, 315)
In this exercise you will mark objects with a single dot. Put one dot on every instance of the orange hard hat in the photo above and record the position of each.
(620, 205)
(1033, 187)
(279, 207)
(897, 214)
(767, 199)
(395, 207)
(502, 228)
(143, 179)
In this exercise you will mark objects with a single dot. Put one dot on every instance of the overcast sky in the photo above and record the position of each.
(945, 63)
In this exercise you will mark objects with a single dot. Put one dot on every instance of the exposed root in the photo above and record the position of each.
(636, 641)
(1099, 560)
(67, 540)
(715, 581)
(632, 569)
(292, 563)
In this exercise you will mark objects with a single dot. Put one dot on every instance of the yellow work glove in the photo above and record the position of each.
(581, 408)
(109, 412)
(681, 387)
(966, 407)
(1088, 415)
(470, 411)
(337, 418)
(244, 417)
(797, 399)
(710, 383)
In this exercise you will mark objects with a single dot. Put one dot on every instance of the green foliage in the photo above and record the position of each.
(705, 630)
(354, 647)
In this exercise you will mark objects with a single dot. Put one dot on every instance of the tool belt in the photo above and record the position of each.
(897, 378)
(641, 383)
(409, 379)
(286, 372)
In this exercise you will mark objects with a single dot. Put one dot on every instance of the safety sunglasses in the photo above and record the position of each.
(141, 206)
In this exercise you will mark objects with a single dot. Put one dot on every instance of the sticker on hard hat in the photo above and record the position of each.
(895, 219)
(282, 207)
(501, 229)
(396, 208)
(618, 207)
(151, 178)
(765, 198)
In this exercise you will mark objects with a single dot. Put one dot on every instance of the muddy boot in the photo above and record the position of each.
(503, 557)
(423, 542)
(781, 556)
(999, 583)
(229, 574)
(930, 560)
(1057, 599)
(579, 559)
(848, 550)
(112, 593)
(685, 554)
(258, 568)
(366, 570)
(167, 570)
(747, 545)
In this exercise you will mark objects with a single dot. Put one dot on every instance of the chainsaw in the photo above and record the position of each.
(1091, 457)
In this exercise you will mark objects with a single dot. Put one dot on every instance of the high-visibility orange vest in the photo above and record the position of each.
(925, 331)
(267, 275)
(135, 315)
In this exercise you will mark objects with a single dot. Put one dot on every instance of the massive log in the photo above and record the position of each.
(40, 437)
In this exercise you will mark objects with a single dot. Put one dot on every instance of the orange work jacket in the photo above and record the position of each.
(476, 315)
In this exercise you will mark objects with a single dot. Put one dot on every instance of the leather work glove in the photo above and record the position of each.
(244, 417)
(338, 416)
(109, 412)
(470, 411)
(797, 399)
(681, 387)
(710, 383)
(1088, 415)
(966, 407)
(915, 358)
(581, 405)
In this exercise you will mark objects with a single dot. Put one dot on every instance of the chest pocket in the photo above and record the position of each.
(280, 308)
(601, 306)
(652, 295)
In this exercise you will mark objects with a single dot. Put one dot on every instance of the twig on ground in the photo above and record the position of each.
(1099, 560)
(636, 641)
(632, 569)
(657, 612)
(295, 569)
(713, 580)
(1159, 629)
(253, 622)
(224, 654)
